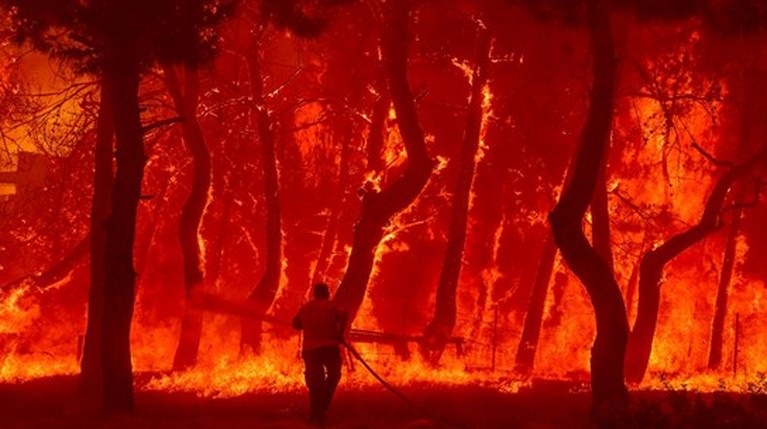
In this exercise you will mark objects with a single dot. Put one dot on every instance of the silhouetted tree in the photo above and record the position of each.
(379, 207)
(440, 328)
(118, 39)
(609, 393)
(186, 101)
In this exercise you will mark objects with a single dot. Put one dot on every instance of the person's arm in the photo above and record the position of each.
(297, 321)
(343, 319)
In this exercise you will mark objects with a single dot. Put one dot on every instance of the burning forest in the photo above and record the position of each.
(515, 203)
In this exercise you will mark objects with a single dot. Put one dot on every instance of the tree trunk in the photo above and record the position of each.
(377, 136)
(720, 309)
(600, 217)
(652, 265)
(531, 331)
(265, 291)
(439, 330)
(379, 207)
(90, 365)
(331, 232)
(609, 393)
(191, 213)
(119, 293)
(631, 287)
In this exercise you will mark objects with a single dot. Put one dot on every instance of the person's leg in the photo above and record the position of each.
(332, 362)
(314, 374)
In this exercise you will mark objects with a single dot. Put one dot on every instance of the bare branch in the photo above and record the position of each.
(161, 123)
(708, 156)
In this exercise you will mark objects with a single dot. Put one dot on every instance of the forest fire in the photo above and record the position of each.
(514, 203)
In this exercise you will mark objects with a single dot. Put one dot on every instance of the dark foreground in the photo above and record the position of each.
(51, 403)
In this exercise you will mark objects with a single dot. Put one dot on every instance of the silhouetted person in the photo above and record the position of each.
(323, 323)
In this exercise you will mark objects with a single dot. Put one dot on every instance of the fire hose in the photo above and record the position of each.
(396, 392)
(206, 301)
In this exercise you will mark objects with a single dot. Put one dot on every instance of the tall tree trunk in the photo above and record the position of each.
(331, 232)
(720, 309)
(531, 330)
(265, 291)
(439, 329)
(609, 393)
(379, 207)
(119, 293)
(653, 262)
(191, 213)
(90, 365)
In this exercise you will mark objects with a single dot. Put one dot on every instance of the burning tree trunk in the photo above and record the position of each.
(438, 331)
(191, 214)
(531, 331)
(120, 276)
(376, 136)
(265, 291)
(720, 309)
(652, 265)
(90, 365)
(600, 239)
(331, 232)
(379, 207)
(609, 393)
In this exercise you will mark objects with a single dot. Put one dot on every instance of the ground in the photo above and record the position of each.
(51, 403)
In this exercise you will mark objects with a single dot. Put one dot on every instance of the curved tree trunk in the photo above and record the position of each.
(653, 262)
(90, 365)
(440, 328)
(600, 216)
(609, 393)
(191, 213)
(720, 309)
(265, 291)
(120, 279)
(379, 207)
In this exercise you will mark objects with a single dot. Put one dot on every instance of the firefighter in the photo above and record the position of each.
(323, 324)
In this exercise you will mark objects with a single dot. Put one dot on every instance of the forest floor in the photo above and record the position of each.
(52, 403)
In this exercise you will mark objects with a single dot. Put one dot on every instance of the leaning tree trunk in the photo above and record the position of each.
(531, 330)
(265, 291)
(609, 393)
(191, 213)
(120, 276)
(652, 265)
(441, 326)
(379, 207)
(90, 365)
(720, 309)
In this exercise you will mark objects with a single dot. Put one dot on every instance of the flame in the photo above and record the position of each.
(18, 311)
